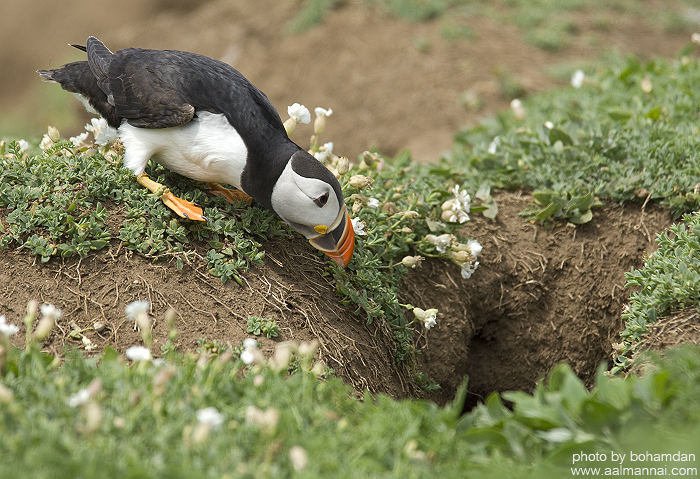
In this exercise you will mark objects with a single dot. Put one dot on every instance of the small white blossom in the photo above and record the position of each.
(429, 320)
(549, 125)
(493, 146)
(80, 140)
(135, 308)
(89, 345)
(358, 227)
(323, 112)
(249, 347)
(81, 397)
(211, 416)
(695, 38)
(51, 311)
(427, 317)
(456, 209)
(443, 242)
(299, 458)
(324, 153)
(103, 133)
(6, 328)
(468, 270)
(320, 122)
(299, 112)
(474, 248)
(577, 79)
(46, 142)
(373, 203)
(138, 353)
(23, 146)
(518, 109)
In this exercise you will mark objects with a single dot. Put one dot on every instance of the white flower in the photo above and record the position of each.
(577, 79)
(135, 308)
(323, 112)
(358, 227)
(49, 310)
(493, 146)
(427, 317)
(249, 347)
(80, 140)
(299, 458)
(81, 397)
(372, 203)
(695, 38)
(138, 353)
(23, 146)
(474, 248)
(468, 270)
(549, 125)
(456, 210)
(103, 133)
(443, 242)
(299, 112)
(211, 416)
(46, 142)
(324, 153)
(430, 317)
(6, 328)
(518, 109)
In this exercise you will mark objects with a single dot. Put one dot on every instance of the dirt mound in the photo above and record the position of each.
(539, 296)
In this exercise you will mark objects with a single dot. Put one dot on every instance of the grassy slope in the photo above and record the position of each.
(610, 138)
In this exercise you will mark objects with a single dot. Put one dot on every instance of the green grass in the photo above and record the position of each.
(608, 138)
(104, 417)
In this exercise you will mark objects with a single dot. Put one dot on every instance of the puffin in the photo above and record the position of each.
(202, 119)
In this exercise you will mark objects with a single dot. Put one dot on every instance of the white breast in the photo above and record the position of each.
(207, 149)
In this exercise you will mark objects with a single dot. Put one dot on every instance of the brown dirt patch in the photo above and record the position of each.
(290, 289)
(540, 296)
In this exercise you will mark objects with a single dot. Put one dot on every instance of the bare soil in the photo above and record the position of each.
(540, 295)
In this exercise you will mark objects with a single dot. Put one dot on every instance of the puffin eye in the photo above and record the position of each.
(322, 200)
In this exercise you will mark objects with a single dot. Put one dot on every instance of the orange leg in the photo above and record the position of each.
(232, 196)
(183, 208)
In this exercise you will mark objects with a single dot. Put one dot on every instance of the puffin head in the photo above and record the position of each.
(308, 198)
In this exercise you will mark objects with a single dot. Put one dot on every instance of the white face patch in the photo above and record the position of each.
(293, 200)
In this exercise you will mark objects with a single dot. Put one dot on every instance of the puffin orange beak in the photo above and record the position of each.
(339, 242)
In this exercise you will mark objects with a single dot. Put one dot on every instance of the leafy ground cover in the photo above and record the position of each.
(222, 416)
(581, 151)
(93, 405)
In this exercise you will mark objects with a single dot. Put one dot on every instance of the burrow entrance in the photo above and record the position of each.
(539, 297)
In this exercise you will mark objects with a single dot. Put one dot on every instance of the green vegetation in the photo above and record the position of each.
(185, 417)
(628, 134)
(266, 327)
(551, 25)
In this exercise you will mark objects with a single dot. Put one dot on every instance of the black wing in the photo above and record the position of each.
(164, 88)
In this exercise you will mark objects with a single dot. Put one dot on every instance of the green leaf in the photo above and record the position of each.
(620, 115)
(557, 134)
(548, 211)
(654, 113)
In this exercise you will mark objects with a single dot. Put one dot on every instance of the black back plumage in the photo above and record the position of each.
(165, 88)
